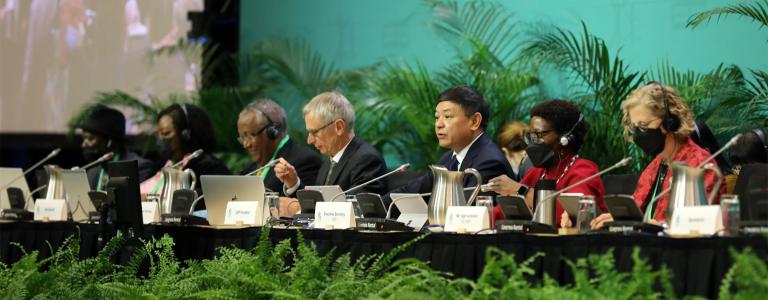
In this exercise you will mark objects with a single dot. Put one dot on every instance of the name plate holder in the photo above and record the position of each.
(242, 213)
(524, 226)
(696, 220)
(463, 219)
(50, 210)
(334, 215)
(632, 226)
(150, 212)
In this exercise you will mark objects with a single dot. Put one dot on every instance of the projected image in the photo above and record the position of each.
(55, 55)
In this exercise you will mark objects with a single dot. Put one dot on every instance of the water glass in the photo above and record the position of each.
(272, 199)
(729, 206)
(355, 206)
(586, 213)
(486, 201)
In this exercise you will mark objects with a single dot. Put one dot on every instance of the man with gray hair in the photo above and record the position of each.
(330, 120)
(262, 132)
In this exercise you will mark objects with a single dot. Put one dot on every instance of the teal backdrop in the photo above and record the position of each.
(357, 33)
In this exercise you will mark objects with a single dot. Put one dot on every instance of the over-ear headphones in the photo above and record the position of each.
(186, 133)
(273, 129)
(760, 132)
(670, 122)
(568, 137)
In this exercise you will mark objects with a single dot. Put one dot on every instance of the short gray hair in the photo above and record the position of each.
(270, 109)
(330, 106)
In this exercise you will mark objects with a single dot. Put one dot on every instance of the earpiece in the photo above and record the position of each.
(760, 132)
(568, 137)
(186, 133)
(273, 129)
(670, 122)
(109, 143)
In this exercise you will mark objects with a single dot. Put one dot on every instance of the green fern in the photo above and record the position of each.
(756, 12)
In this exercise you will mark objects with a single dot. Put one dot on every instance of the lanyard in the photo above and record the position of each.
(101, 173)
(263, 173)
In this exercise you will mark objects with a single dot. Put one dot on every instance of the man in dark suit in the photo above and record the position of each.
(461, 117)
(330, 120)
(262, 130)
(103, 131)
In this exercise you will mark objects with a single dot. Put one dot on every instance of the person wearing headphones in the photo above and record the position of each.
(103, 131)
(557, 132)
(750, 148)
(658, 121)
(181, 130)
(262, 132)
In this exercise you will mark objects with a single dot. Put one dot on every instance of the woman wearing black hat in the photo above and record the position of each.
(103, 131)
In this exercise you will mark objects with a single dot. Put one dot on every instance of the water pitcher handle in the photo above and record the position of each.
(713, 193)
(479, 181)
(194, 178)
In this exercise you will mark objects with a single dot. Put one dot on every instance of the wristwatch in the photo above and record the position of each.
(522, 190)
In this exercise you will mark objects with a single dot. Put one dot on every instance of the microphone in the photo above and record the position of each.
(270, 164)
(192, 156)
(625, 161)
(354, 188)
(50, 155)
(101, 159)
(192, 207)
(727, 145)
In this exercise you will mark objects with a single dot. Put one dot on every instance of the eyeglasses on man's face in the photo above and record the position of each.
(315, 132)
(251, 138)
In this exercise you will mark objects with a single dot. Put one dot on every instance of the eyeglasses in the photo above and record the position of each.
(642, 126)
(536, 137)
(314, 132)
(251, 137)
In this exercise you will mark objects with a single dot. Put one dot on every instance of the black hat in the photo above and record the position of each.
(105, 121)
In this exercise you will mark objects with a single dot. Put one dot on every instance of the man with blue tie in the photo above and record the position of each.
(461, 117)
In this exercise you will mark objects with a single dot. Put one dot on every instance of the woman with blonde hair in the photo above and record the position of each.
(658, 121)
(511, 140)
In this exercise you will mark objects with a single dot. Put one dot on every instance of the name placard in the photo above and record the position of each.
(50, 210)
(705, 220)
(334, 215)
(150, 212)
(466, 219)
(415, 221)
(242, 212)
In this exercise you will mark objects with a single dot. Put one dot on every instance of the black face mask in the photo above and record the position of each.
(164, 149)
(94, 152)
(540, 154)
(651, 141)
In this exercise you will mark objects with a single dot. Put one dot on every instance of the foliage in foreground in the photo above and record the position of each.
(285, 272)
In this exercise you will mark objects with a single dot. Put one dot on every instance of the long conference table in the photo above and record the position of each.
(698, 265)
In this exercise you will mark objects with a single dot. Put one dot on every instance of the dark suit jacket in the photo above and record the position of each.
(306, 162)
(146, 168)
(483, 155)
(359, 163)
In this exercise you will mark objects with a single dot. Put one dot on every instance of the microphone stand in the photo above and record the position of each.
(192, 156)
(50, 155)
(399, 169)
(270, 164)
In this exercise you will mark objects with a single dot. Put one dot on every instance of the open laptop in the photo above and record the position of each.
(76, 190)
(220, 189)
(7, 175)
(413, 209)
(331, 193)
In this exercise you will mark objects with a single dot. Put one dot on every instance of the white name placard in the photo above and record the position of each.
(466, 219)
(415, 221)
(150, 212)
(334, 215)
(705, 220)
(50, 210)
(242, 212)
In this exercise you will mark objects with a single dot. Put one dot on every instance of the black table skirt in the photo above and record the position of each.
(697, 264)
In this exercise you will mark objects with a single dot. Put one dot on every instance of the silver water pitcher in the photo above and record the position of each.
(55, 187)
(447, 191)
(175, 179)
(688, 188)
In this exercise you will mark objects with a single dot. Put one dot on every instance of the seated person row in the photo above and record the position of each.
(461, 118)
(558, 131)
(347, 160)
(181, 130)
(103, 131)
(750, 148)
(658, 121)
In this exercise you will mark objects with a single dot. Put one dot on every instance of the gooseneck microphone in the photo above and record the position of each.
(625, 161)
(101, 159)
(401, 168)
(270, 164)
(727, 145)
(192, 156)
(48, 157)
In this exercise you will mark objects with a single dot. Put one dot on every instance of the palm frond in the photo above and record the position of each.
(757, 12)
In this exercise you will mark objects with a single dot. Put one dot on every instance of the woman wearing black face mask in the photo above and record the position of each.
(658, 121)
(181, 130)
(556, 134)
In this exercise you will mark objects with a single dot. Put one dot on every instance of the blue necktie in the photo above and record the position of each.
(453, 165)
